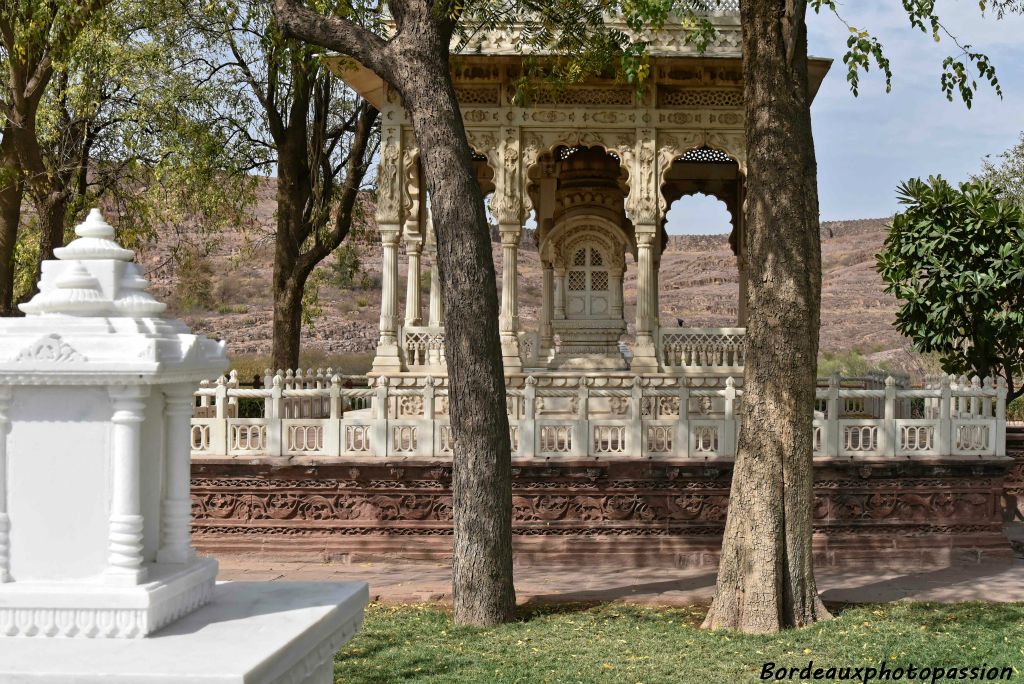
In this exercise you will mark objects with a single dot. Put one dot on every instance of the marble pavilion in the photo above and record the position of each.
(598, 166)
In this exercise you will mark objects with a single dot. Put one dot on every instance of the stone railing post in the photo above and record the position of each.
(175, 539)
(682, 438)
(332, 432)
(5, 521)
(426, 440)
(1000, 436)
(975, 402)
(275, 426)
(727, 442)
(945, 436)
(581, 447)
(336, 409)
(528, 424)
(833, 438)
(232, 409)
(204, 400)
(125, 533)
(379, 438)
(220, 399)
(986, 401)
(635, 442)
(889, 418)
(268, 382)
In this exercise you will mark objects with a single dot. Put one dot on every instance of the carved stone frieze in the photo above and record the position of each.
(632, 499)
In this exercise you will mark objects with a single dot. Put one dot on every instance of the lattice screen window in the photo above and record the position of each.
(580, 258)
(595, 258)
(669, 96)
(577, 280)
(706, 155)
(599, 281)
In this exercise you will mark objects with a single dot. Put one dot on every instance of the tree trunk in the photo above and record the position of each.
(482, 480)
(287, 329)
(51, 209)
(766, 576)
(11, 194)
(415, 62)
(292, 191)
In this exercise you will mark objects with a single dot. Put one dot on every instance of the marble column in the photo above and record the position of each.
(655, 291)
(644, 355)
(5, 522)
(413, 307)
(175, 532)
(436, 309)
(615, 286)
(436, 302)
(546, 308)
(509, 317)
(387, 358)
(124, 560)
(559, 295)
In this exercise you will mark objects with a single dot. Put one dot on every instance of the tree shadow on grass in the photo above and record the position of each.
(689, 590)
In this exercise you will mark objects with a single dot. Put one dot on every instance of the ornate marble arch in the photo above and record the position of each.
(674, 144)
(568, 234)
(537, 142)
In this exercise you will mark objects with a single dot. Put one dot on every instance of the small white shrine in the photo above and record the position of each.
(96, 397)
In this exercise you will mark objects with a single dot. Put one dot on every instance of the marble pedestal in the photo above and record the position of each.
(249, 633)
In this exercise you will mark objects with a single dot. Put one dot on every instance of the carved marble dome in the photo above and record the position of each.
(94, 313)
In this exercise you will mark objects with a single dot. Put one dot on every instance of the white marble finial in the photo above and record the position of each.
(95, 241)
(95, 226)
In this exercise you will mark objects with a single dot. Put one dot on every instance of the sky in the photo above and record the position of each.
(867, 145)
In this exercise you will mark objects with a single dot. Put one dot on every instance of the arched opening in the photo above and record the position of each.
(699, 284)
(583, 236)
(698, 214)
(701, 274)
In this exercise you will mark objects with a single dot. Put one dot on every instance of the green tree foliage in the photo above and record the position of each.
(955, 257)
(103, 112)
(290, 117)
(1007, 173)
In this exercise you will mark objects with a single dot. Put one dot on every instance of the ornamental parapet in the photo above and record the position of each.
(573, 416)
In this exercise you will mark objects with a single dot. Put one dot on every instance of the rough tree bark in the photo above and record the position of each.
(766, 576)
(11, 194)
(415, 62)
(293, 191)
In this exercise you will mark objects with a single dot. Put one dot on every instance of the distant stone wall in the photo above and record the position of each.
(897, 514)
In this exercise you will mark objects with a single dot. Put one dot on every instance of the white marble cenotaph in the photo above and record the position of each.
(98, 579)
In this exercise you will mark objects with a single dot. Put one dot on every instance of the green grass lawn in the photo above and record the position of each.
(618, 643)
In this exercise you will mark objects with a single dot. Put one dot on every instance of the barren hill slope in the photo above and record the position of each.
(226, 292)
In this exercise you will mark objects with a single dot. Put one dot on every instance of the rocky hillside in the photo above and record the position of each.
(224, 289)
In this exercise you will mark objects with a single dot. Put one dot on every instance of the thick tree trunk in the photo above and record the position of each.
(292, 192)
(415, 62)
(11, 194)
(482, 557)
(766, 576)
(287, 329)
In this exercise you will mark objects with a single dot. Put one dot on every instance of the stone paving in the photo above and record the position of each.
(398, 582)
